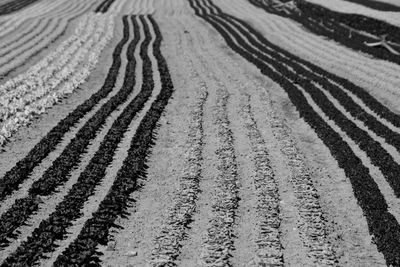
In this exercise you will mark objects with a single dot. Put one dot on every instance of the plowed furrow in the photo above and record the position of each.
(366, 191)
(115, 203)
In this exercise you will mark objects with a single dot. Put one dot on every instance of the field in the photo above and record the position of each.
(199, 133)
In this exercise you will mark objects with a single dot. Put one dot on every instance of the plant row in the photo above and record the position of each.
(14, 5)
(382, 224)
(378, 5)
(82, 251)
(41, 10)
(23, 168)
(60, 77)
(34, 47)
(104, 6)
(350, 30)
(58, 173)
(308, 80)
(55, 227)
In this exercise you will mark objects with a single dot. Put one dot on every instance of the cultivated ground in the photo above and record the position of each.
(199, 133)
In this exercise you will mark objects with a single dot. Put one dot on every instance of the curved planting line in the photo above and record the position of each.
(382, 224)
(351, 30)
(15, 5)
(55, 227)
(378, 5)
(96, 230)
(380, 157)
(22, 170)
(58, 173)
(41, 44)
(104, 6)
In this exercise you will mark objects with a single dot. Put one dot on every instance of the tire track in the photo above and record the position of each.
(386, 240)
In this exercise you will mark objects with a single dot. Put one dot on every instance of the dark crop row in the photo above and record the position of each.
(15, 5)
(342, 27)
(23, 169)
(96, 230)
(382, 224)
(104, 6)
(55, 227)
(378, 5)
(23, 208)
(300, 75)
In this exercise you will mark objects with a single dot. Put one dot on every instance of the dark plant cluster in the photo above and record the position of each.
(257, 50)
(343, 28)
(22, 209)
(104, 6)
(15, 5)
(82, 252)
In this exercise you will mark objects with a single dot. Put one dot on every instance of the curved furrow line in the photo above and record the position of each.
(104, 6)
(386, 231)
(23, 169)
(347, 29)
(34, 95)
(378, 155)
(15, 24)
(371, 75)
(91, 205)
(378, 5)
(30, 50)
(15, 20)
(59, 171)
(95, 231)
(15, 5)
(70, 208)
(312, 228)
(334, 80)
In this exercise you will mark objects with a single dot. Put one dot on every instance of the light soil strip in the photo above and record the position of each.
(341, 56)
